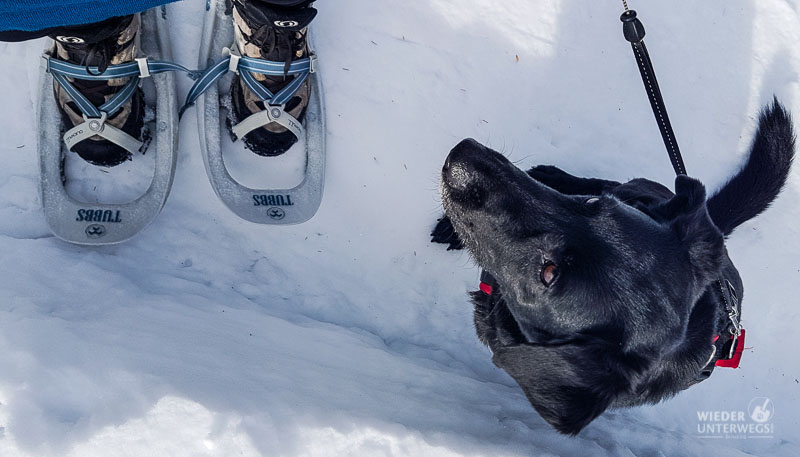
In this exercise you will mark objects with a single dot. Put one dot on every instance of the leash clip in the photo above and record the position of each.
(736, 326)
(733, 314)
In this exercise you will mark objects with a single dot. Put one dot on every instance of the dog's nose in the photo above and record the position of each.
(464, 150)
(457, 175)
(458, 168)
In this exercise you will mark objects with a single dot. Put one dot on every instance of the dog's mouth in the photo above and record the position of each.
(482, 190)
(471, 174)
(493, 204)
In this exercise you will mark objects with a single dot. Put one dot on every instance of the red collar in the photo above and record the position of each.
(733, 353)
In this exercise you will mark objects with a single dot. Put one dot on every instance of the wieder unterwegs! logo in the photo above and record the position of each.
(755, 422)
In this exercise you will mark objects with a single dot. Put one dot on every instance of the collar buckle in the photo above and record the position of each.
(733, 350)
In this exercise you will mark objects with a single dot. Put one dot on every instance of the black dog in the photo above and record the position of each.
(602, 294)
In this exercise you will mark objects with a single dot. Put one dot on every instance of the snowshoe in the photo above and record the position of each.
(98, 82)
(266, 92)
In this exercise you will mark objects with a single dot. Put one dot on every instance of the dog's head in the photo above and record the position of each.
(599, 292)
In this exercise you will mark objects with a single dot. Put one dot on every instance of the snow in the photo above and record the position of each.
(351, 334)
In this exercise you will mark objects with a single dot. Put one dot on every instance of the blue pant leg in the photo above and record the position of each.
(34, 15)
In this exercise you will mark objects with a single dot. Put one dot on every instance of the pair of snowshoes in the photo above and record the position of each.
(115, 99)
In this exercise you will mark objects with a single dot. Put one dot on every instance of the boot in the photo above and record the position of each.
(110, 42)
(276, 33)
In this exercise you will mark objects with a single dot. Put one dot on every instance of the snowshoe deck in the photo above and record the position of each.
(264, 205)
(98, 223)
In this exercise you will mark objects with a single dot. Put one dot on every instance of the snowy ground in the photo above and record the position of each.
(351, 334)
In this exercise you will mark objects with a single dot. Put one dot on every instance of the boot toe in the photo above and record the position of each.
(261, 141)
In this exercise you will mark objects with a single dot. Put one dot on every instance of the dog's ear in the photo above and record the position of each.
(567, 385)
(691, 222)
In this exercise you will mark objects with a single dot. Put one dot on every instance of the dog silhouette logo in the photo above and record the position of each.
(761, 409)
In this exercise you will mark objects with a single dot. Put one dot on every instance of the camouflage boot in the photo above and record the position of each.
(276, 33)
(110, 42)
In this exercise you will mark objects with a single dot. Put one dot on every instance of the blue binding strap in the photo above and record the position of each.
(204, 82)
(123, 70)
(62, 71)
(246, 66)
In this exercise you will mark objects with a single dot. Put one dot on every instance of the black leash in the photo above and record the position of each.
(633, 30)
(727, 351)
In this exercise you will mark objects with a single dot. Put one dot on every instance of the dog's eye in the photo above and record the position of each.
(589, 201)
(549, 273)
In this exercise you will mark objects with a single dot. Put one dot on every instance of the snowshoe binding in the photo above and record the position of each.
(268, 84)
(96, 81)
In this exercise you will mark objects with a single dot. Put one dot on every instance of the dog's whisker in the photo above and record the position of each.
(517, 162)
